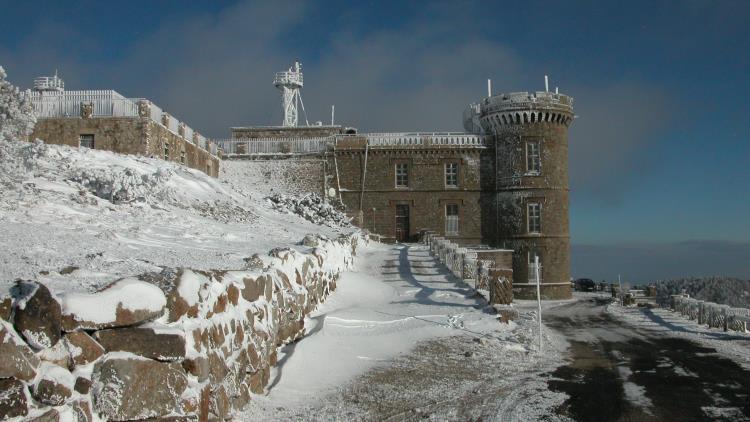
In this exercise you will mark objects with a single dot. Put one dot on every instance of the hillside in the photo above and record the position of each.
(78, 218)
(725, 290)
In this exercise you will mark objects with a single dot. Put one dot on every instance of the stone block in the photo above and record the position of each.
(13, 401)
(198, 367)
(6, 304)
(126, 388)
(55, 386)
(220, 405)
(82, 348)
(37, 316)
(124, 303)
(146, 342)
(82, 385)
(18, 360)
(51, 415)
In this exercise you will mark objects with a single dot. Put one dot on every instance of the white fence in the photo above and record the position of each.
(422, 139)
(258, 146)
(712, 314)
(106, 103)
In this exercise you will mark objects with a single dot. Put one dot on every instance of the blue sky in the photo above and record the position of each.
(659, 156)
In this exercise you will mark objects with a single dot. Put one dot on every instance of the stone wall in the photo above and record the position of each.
(191, 345)
(127, 135)
(426, 195)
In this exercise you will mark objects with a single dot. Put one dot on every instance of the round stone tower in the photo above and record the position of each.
(530, 193)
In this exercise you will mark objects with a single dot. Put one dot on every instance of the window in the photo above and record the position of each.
(402, 175)
(451, 219)
(534, 216)
(533, 158)
(166, 150)
(86, 141)
(182, 156)
(451, 175)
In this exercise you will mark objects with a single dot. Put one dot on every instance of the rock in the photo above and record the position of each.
(506, 313)
(57, 354)
(233, 293)
(132, 387)
(6, 304)
(164, 344)
(82, 348)
(254, 262)
(197, 367)
(37, 317)
(51, 415)
(12, 399)
(123, 303)
(55, 385)
(218, 369)
(312, 240)
(18, 361)
(82, 385)
(220, 406)
(256, 382)
(82, 410)
(184, 299)
(255, 288)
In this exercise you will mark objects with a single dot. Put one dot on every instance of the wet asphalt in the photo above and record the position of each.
(617, 372)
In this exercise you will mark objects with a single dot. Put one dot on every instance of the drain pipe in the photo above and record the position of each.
(364, 176)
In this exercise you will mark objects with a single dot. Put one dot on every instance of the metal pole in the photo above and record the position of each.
(538, 298)
(622, 297)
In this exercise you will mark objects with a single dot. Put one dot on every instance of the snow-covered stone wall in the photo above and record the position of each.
(175, 343)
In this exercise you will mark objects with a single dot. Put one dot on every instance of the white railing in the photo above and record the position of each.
(274, 145)
(712, 314)
(105, 103)
(422, 139)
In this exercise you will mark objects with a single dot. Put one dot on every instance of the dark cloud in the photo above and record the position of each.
(645, 262)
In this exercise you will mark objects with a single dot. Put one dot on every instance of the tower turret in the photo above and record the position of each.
(530, 196)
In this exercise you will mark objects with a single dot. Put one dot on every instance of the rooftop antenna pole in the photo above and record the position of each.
(546, 83)
(489, 87)
(557, 91)
(333, 113)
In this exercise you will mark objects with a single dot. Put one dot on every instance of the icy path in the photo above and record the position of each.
(397, 297)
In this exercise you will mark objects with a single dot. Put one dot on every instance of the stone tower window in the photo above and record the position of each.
(451, 175)
(402, 175)
(451, 220)
(533, 158)
(86, 141)
(534, 217)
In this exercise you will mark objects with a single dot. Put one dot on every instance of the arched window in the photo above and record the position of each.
(518, 118)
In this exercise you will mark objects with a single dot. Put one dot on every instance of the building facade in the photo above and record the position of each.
(106, 120)
(503, 183)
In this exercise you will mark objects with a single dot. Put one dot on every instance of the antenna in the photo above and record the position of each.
(489, 87)
(557, 91)
(546, 83)
(289, 83)
(333, 113)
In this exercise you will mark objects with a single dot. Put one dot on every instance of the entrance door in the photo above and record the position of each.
(402, 222)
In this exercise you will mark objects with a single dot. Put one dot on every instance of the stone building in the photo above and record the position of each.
(104, 119)
(503, 183)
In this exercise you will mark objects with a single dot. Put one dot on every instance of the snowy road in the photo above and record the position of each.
(403, 339)
(627, 369)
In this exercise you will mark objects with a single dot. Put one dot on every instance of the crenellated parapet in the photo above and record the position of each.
(519, 108)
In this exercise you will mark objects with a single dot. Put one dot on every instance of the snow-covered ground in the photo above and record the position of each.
(731, 344)
(402, 309)
(77, 219)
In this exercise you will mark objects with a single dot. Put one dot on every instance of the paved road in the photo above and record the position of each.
(621, 372)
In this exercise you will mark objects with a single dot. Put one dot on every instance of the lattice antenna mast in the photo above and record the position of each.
(289, 83)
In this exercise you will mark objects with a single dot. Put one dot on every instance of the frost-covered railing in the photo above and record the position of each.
(417, 139)
(526, 99)
(254, 146)
(712, 314)
(108, 103)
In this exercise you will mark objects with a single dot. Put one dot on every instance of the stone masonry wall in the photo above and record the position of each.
(127, 135)
(175, 345)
